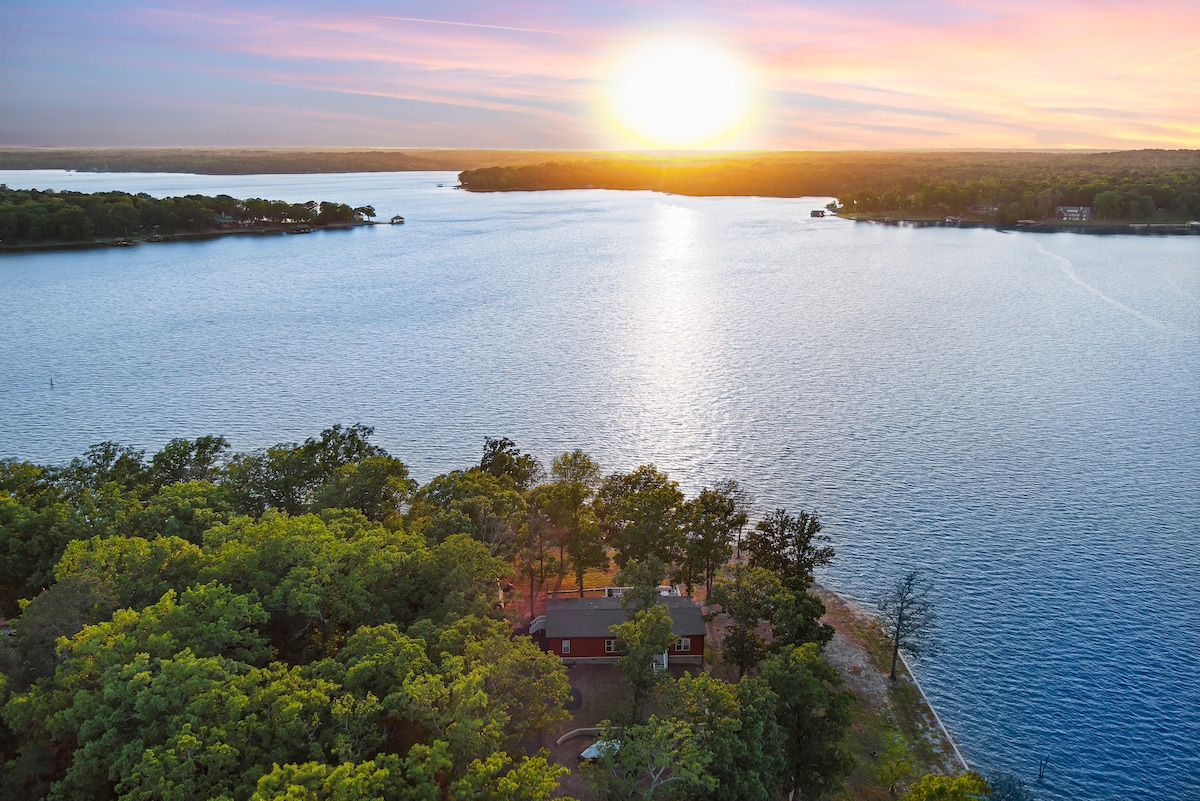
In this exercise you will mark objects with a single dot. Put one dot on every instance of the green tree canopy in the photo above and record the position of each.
(639, 514)
(935, 787)
(645, 636)
(813, 710)
(790, 546)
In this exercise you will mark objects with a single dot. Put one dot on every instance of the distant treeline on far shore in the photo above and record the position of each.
(1134, 185)
(1006, 186)
(262, 161)
(31, 216)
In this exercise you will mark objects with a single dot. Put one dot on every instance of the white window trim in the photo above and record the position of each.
(566, 646)
(683, 643)
(610, 647)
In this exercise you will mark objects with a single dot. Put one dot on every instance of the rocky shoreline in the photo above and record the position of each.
(897, 735)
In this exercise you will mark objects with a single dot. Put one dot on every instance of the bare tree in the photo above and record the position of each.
(908, 612)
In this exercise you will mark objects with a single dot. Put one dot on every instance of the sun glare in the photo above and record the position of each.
(680, 93)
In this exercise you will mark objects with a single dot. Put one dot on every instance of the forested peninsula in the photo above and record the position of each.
(1005, 187)
(31, 217)
(307, 621)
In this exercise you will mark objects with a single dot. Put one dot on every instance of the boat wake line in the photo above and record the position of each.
(1068, 269)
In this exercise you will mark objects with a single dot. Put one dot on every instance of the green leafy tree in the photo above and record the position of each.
(710, 523)
(63, 719)
(750, 596)
(642, 580)
(286, 476)
(521, 680)
(185, 510)
(379, 778)
(736, 725)
(109, 462)
(532, 778)
(639, 514)
(377, 486)
(452, 579)
(908, 616)
(470, 502)
(62, 610)
(184, 460)
(532, 554)
(646, 635)
(813, 712)
(322, 577)
(501, 458)
(1107, 205)
(665, 758)
(935, 787)
(137, 570)
(576, 477)
(36, 523)
(791, 547)
(796, 620)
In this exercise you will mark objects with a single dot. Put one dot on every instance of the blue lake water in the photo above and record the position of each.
(1019, 414)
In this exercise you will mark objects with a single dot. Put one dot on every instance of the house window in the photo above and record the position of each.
(566, 646)
(610, 647)
(683, 644)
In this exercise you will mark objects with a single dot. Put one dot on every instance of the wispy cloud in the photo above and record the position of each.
(858, 73)
(481, 25)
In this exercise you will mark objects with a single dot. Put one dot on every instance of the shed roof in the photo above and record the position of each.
(593, 617)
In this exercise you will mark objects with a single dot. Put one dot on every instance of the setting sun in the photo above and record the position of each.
(680, 92)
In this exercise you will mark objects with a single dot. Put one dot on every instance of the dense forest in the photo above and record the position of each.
(1132, 185)
(30, 216)
(306, 622)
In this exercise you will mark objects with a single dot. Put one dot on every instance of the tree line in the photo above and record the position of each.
(1127, 185)
(258, 161)
(29, 216)
(306, 621)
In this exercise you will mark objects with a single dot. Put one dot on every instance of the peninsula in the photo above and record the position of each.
(31, 218)
(1078, 189)
(325, 616)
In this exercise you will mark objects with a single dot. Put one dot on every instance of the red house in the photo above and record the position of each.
(580, 629)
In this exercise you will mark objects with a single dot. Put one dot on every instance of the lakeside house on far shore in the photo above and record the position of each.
(1074, 213)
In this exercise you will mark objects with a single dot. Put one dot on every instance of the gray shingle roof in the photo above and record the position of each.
(592, 617)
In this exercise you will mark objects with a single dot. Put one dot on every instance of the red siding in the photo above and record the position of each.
(592, 647)
(581, 647)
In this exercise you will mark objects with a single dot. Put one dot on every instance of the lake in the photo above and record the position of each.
(1017, 413)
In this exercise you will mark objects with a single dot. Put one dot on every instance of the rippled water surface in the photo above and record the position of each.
(1017, 413)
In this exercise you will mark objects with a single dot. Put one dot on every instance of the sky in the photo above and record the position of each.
(525, 74)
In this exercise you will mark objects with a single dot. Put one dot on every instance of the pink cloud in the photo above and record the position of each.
(960, 73)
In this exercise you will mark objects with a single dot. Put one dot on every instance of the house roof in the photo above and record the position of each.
(593, 617)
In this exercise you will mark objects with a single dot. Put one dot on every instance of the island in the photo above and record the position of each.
(32, 218)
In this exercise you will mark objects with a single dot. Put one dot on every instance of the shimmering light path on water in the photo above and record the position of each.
(1017, 413)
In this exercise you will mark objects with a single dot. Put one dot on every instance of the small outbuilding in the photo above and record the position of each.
(580, 629)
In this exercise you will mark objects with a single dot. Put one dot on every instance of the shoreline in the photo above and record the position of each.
(272, 229)
(1039, 227)
(897, 735)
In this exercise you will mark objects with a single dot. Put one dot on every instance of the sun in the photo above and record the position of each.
(680, 93)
